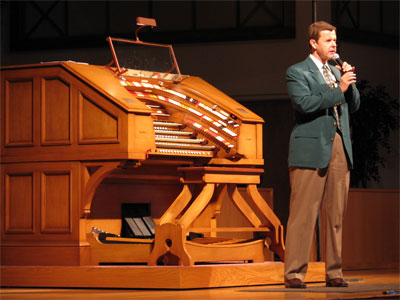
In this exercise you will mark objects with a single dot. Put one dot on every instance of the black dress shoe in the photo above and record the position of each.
(295, 283)
(336, 282)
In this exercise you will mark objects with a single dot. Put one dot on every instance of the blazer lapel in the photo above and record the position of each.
(316, 74)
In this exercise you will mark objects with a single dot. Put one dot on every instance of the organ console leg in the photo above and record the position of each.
(177, 221)
(177, 206)
(243, 206)
(197, 206)
(277, 244)
(213, 208)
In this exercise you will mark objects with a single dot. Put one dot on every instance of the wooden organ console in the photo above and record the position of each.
(79, 140)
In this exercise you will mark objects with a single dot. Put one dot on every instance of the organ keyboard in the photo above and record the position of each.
(208, 120)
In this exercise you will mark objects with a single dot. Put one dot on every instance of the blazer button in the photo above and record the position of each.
(334, 123)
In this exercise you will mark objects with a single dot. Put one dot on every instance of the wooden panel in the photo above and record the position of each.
(19, 203)
(19, 113)
(259, 143)
(56, 202)
(96, 124)
(370, 230)
(247, 141)
(41, 256)
(56, 112)
(50, 219)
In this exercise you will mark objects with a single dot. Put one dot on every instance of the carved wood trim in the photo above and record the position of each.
(91, 182)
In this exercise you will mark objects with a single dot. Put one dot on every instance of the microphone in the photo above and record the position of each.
(336, 58)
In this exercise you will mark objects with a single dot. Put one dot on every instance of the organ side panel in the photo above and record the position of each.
(50, 114)
(40, 212)
(97, 124)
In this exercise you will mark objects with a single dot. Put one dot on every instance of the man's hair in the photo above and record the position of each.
(315, 28)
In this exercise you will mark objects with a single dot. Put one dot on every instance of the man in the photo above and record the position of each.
(320, 154)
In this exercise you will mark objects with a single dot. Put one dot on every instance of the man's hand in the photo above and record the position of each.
(348, 76)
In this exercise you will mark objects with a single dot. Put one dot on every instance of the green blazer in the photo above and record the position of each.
(315, 125)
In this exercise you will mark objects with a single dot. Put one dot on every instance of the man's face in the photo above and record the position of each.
(325, 47)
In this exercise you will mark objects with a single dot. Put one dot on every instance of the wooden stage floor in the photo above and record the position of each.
(361, 283)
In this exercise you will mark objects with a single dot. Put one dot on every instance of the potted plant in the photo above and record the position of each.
(371, 127)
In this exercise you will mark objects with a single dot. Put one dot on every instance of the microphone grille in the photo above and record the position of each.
(336, 56)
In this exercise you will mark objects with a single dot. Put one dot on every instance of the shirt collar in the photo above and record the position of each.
(318, 62)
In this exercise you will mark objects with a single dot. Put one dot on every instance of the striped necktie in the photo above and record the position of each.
(331, 83)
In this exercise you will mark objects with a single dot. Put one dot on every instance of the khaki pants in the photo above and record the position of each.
(312, 189)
